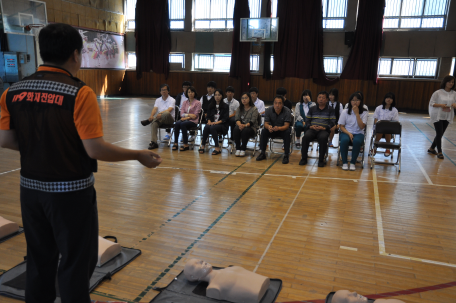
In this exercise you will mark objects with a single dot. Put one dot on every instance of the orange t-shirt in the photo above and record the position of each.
(86, 114)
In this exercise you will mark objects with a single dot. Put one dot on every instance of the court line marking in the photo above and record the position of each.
(284, 217)
(178, 258)
(420, 166)
(348, 248)
(109, 296)
(9, 171)
(443, 136)
(128, 139)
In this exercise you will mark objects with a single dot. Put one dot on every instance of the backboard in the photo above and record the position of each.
(264, 29)
(18, 13)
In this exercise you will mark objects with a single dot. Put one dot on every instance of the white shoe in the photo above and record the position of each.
(191, 138)
(352, 166)
(237, 153)
(345, 166)
(242, 154)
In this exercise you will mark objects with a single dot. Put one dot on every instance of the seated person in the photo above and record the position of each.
(233, 284)
(300, 113)
(338, 108)
(352, 124)
(320, 119)
(189, 113)
(386, 112)
(259, 104)
(283, 92)
(234, 105)
(345, 296)
(7, 227)
(362, 96)
(217, 121)
(163, 113)
(277, 121)
(182, 96)
(205, 101)
(246, 124)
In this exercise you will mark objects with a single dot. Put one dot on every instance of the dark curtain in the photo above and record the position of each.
(299, 51)
(363, 61)
(267, 49)
(240, 52)
(153, 37)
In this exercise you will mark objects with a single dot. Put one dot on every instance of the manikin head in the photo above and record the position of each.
(345, 296)
(196, 270)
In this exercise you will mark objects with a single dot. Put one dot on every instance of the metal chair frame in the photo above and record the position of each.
(394, 128)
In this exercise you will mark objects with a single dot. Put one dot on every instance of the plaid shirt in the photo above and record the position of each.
(321, 117)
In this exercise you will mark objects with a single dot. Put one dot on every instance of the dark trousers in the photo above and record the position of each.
(60, 223)
(266, 135)
(232, 122)
(213, 130)
(440, 128)
(182, 125)
(241, 138)
(322, 138)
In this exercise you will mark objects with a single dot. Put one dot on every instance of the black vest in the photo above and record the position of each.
(42, 108)
(337, 111)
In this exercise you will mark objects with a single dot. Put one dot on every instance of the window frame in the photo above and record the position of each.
(194, 19)
(252, 57)
(339, 58)
(412, 76)
(335, 18)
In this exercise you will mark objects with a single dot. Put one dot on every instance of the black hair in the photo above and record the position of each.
(213, 103)
(335, 93)
(211, 84)
(253, 89)
(324, 93)
(360, 98)
(187, 83)
(163, 85)
(193, 89)
(280, 97)
(360, 93)
(391, 96)
(241, 105)
(445, 80)
(281, 91)
(230, 89)
(58, 42)
(306, 92)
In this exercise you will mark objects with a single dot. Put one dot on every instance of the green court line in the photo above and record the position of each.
(2, 271)
(443, 136)
(431, 142)
(109, 296)
(163, 273)
(189, 204)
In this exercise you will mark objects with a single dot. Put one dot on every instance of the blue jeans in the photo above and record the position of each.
(358, 141)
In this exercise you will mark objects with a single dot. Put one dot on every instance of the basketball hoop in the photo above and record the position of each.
(258, 40)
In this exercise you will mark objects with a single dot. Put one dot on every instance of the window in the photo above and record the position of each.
(173, 58)
(176, 14)
(452, 67)
(334, 13)
(407, 67)
(131, 60)
(218, 14)
(406, 14)
(177, 58)
(333, 65)
(220, 62)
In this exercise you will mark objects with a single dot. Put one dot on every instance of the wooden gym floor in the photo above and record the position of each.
(318, 229)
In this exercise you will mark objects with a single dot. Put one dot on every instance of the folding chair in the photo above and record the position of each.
(393, 128)
(170, 126)
(278, 140)
(198, 128)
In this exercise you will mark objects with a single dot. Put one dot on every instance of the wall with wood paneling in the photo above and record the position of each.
(103, 82)
(410, 94)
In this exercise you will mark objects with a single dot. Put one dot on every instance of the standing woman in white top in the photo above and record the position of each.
(386, 112)
(352, 123)
(441, 112)
(300, 113)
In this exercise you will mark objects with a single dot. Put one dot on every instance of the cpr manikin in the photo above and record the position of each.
(345, 296)
(107, 250)
(234, 284)
(7, 227)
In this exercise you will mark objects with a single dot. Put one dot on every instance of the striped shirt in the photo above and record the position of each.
(325, 117)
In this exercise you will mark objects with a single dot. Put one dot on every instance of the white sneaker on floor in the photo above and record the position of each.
(352, 166)
(191, 138)
(345, 166)
(242, 153)
(237, 153)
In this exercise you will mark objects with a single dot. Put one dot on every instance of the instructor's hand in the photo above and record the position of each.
(149, 159)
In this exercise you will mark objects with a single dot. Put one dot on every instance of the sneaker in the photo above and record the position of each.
(440, 156)
(352, 167)
(261, 156)
(432, 151)
(298, 145)
(237, 153)
(321, 164)
(303, 161)
(191, 138)
(152, 145)
(167, 137)
(242, 153)
(345, 166)
(285, 159)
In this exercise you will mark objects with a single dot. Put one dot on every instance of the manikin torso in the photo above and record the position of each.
(107, 250)
(345, 296)
(7, 227)
(234, 284)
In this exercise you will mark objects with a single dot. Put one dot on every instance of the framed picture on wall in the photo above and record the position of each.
(103, 50)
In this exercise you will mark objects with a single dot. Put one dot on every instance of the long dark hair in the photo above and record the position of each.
(241, 105)
(360, 107)
(391, 96)
(306, 92)
(213, 102)
(335, 93)
(193, 89)
(445, 80)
